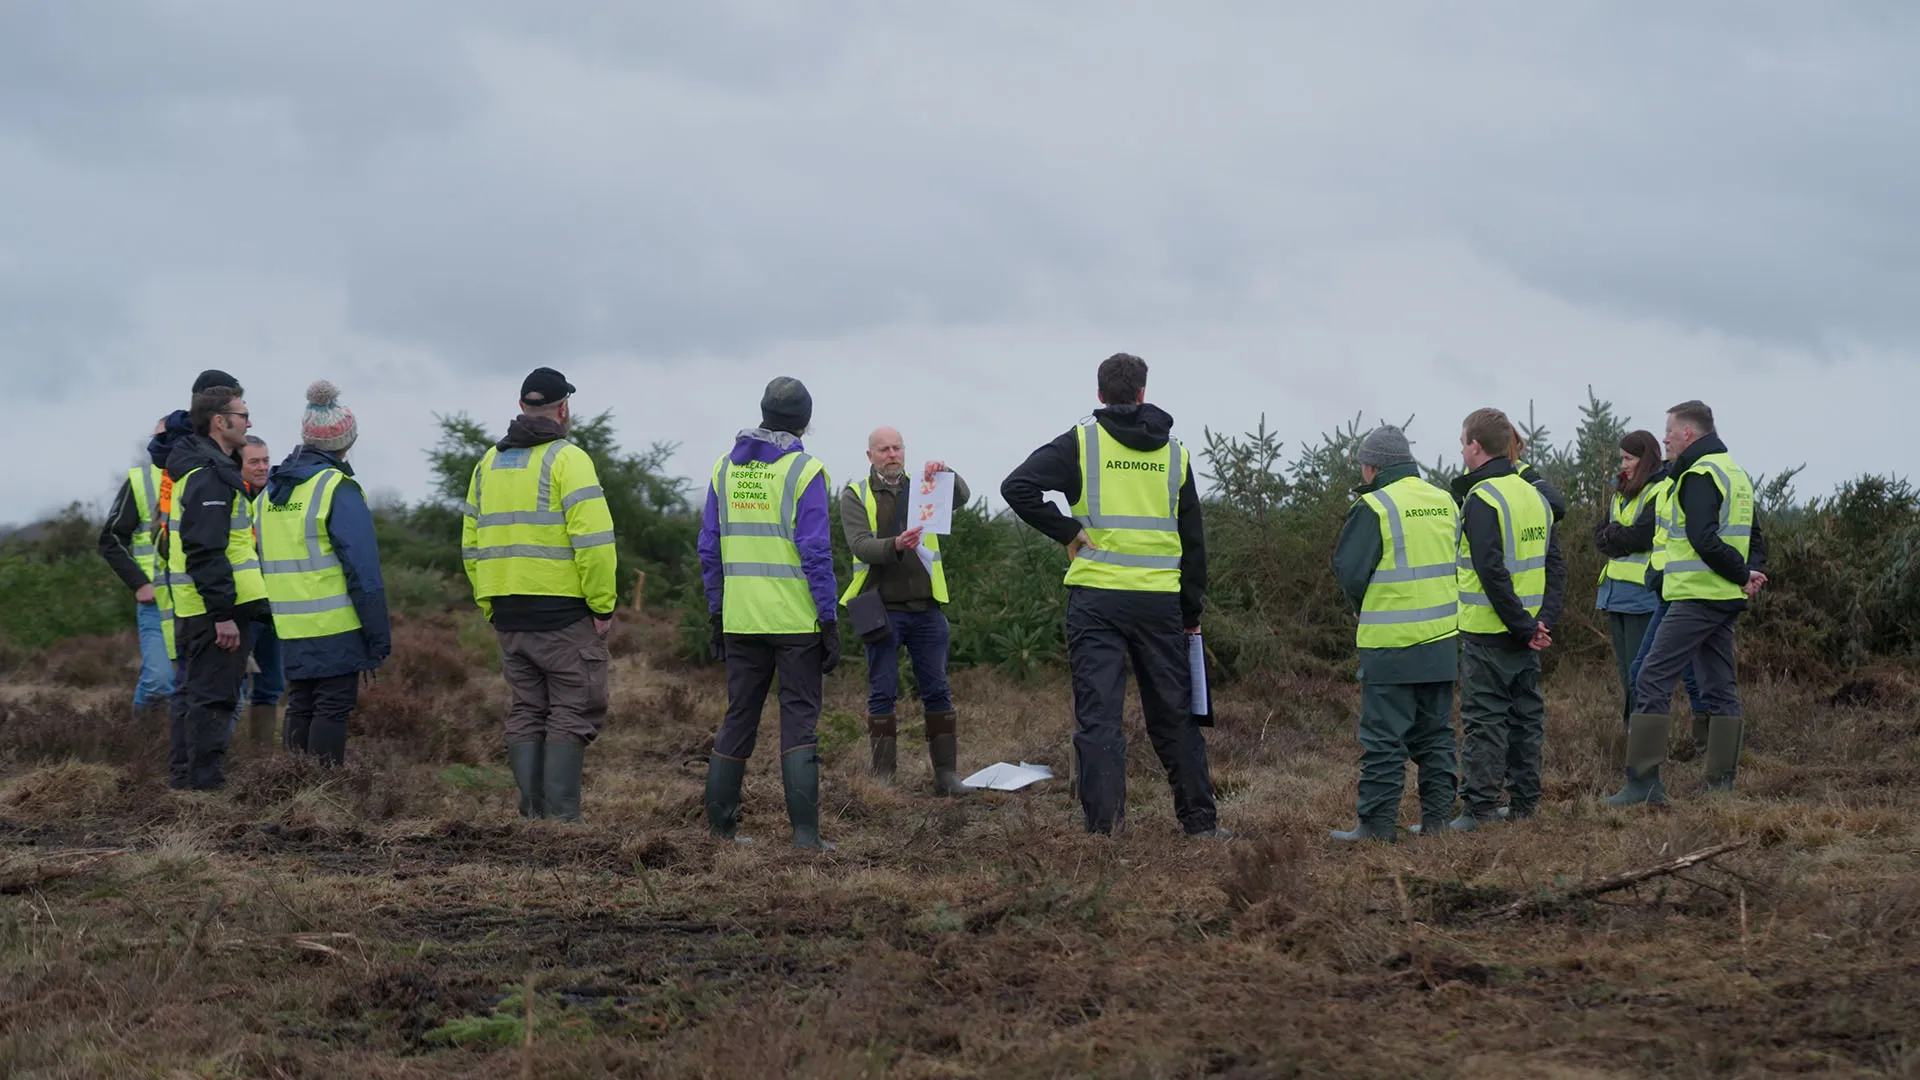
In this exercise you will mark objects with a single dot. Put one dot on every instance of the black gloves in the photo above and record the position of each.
(830, 640)
(717, 637)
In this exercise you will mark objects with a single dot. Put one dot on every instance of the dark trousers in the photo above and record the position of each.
(269, 684)
(1691, 633)
(1686, 673)
(317, 712)
(1401, 721)
(1108, 629)
(1627, 632)
(752, 662)
(559, 683)
(924, 634)
(203, 702)
(1503, 723)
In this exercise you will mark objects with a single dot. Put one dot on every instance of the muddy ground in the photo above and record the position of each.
(395, 919)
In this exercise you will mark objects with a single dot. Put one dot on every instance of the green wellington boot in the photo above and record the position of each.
(1702, 724)
(943, 749)
(1646, 750)
(724, 777)
(1723, 752)
(524, 758)
(883, 732)
(560, 779)
(1366, 830)
(800, 776)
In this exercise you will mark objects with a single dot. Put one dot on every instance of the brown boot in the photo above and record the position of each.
(943, 748)
(263, 727)
(883, 732)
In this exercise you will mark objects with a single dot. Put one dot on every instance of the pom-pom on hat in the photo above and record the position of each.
(328, 424)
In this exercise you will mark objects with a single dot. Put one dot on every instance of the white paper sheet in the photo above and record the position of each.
(1197, 660)
(932, 506)
(1001, 776)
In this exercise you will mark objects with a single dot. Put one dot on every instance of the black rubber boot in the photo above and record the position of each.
(524, 758)
(1430, 826)
(800, 776)
(943, 748)
(724, 777)
(328, 742)
(263, 727)
(883, 735)
(560, 767)
(1366, 830)
(1646, 751)
(1723, 752)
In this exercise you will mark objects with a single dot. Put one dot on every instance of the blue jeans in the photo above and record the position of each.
(1646, 645)
(156, 671)
(270, 684)
(924, 633)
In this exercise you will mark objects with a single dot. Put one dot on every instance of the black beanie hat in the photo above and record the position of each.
(786, 406)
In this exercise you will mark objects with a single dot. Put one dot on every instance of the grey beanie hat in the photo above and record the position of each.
(786, 406)
(1383, 446)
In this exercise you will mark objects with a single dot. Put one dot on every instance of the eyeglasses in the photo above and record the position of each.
(241, 415)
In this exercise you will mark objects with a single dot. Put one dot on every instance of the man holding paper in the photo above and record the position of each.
(1136, 578)
(900, 561)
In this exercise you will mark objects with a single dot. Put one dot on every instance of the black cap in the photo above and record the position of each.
(213, 377)
(544, 386)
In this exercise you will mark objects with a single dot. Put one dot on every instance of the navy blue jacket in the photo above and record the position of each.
(350, 528)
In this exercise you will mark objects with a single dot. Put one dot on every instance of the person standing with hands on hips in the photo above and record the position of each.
(766, 557)
(904, 565)
(1136, 585)
(539, 549)
(1512, 582)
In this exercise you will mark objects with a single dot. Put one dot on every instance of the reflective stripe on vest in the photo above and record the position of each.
(248, 584)
(1129, 506)
(766, 589)
(1413, 596)
(931, 542)
(1687, 575)
(1630, 568)
(305, 581)
(144, 481)
(1526, 524)
(518, 520)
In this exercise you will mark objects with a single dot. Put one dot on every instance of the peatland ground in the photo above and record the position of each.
(396, 919)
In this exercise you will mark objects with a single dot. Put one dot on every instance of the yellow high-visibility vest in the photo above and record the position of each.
(144, 481)
(1526, 525)
(1686, 575)
(248, 585)
(1414, 594)
(537, 524)
(1129, 506)
(1631, 568)
(305, 581)
(935, 569)
(765, 589)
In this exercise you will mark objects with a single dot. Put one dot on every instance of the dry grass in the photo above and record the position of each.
(385, 920)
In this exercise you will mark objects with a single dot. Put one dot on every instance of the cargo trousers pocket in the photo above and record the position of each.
(593, 668)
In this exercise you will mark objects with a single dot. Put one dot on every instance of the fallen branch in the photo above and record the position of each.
(1534, 905)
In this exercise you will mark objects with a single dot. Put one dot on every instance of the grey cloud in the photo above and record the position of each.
(508, 183)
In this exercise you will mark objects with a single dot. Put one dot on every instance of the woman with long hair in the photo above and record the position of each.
(1630, 583)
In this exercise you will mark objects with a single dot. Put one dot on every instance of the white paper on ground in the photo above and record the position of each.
(932, 506)
(1001, 776)
(1197, 660)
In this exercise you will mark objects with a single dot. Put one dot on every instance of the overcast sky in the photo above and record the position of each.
(943, 216)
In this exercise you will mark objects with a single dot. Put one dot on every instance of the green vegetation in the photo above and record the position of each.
(1844, 584)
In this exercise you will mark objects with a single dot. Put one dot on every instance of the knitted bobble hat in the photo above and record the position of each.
(328, 424)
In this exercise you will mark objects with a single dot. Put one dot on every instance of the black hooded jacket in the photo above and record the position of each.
(1486, 545)
(1056, 467)
(206, 505)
